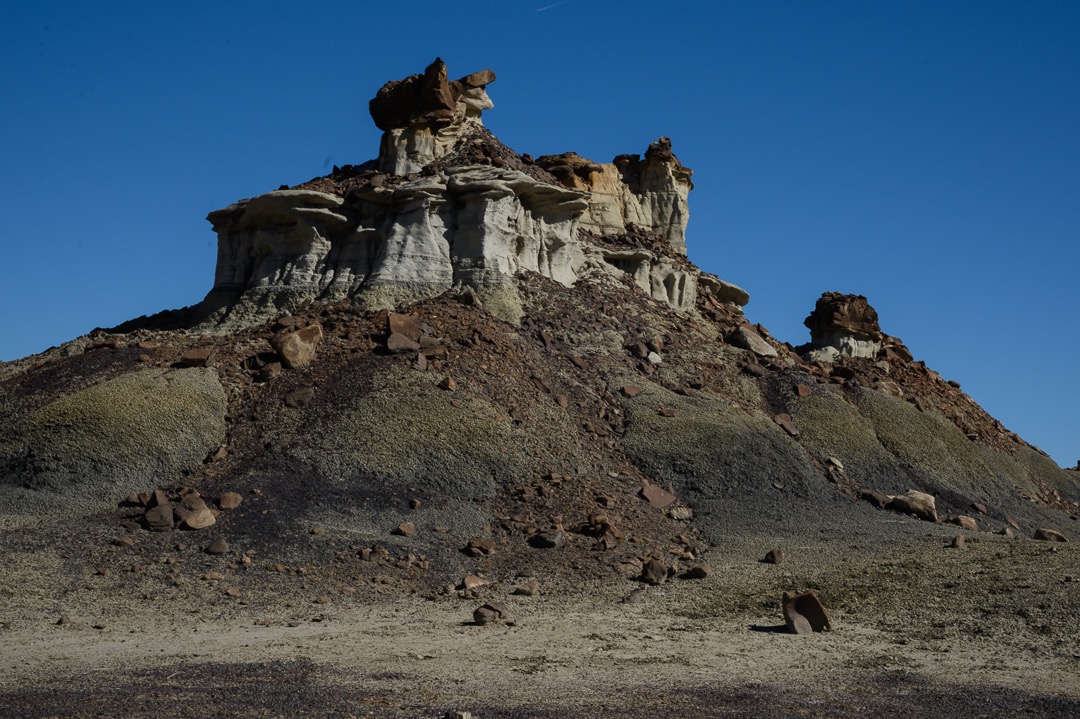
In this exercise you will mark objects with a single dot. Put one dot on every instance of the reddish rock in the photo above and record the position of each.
(965, 521)
(229, 500)
(491, 613)
(774, 556)
(159, 516)
(631, 391)
(401, 344)
(785, 422)
(804, 613)
(850, 315)
(657, 496)
(405, 529)
(698, 571)
(480, 547)
(405, 325)
(877, 499)
(803, 390)
(198, 357)
(297, 347)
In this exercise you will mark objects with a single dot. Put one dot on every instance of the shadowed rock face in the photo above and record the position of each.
(447, 205)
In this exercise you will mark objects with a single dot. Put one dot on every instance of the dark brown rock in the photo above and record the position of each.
(480, 547)
(1049, 535)
(877, 499)
(401, 344)
(548, 540)
(492, 613)
(405, 529)
(804, 613)
(698, 571)
(631, 391)
(837, 313)
(965, 521)
(198, 357)
(774, 556)
(803, 390)
(218, 546)
(654, 572)
(448, 383)
(405, 325)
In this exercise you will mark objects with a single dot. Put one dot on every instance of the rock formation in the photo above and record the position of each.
(843, 326)
(445, 205)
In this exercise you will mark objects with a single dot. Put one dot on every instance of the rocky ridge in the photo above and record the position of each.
(447, 205)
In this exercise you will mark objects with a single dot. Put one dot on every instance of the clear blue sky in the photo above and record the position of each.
(925, 154)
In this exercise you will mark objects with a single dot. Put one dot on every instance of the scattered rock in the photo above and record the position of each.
(784, 420)
(159, 517)
(965, 521)
(654, 572)
(405, 529)
(666, 412)
(400, 344)
(198, 357)
(1007, 532)
(492, 613)
(297, 347)
(698, 571)
(920, 504)
(548, 540)
(324, 599)
(749, 339)
(803, 390)
(958, 542)
(1049, 535)
(193, 513)
(877, 499)
(218, 546)
(299, 397)
(229, 501)
(774, 556)
(527, 589)
(480, 547)
(804, 613)
(406, 325)
(631, 391)
(657, 496)
(448, 383)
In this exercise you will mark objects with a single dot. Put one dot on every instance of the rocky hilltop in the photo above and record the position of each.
(465, 374)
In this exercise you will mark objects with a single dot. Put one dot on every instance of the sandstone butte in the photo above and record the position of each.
(492, 393)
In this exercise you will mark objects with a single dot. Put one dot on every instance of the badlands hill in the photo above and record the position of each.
(459, 378)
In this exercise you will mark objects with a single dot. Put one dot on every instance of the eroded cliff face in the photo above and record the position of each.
(447, 205)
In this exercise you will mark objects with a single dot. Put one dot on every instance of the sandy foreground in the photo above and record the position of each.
(922, 630)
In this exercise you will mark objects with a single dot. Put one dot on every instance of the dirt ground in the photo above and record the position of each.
(921, 630)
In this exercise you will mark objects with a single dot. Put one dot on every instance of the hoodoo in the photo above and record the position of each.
(447, 205)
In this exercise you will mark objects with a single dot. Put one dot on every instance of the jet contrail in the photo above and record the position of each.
(548, 7)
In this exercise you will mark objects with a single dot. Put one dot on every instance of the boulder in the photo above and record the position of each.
(1049, 535)
(749, 339)
(297, 347)
(804, 613)
(913, 502)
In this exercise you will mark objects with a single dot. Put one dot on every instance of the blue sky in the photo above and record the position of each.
(924, 154)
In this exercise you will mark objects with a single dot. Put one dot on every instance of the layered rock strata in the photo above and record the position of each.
(843, 326)
(446, 205)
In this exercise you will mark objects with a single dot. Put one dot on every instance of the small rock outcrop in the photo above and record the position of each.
(842, 326)
(447, 205)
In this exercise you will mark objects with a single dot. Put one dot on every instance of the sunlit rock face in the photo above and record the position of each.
(843, 326)
(650, 192)
(447, 205)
